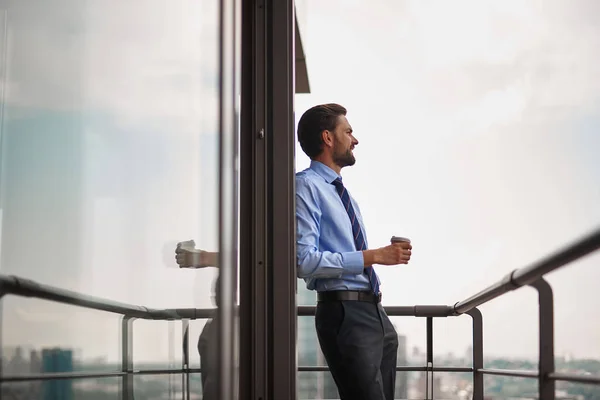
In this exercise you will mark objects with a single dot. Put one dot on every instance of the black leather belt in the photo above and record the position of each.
(349, 295)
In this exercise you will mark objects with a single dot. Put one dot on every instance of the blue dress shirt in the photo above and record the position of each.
(326, 254)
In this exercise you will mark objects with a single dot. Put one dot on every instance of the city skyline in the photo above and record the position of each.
(451, 386)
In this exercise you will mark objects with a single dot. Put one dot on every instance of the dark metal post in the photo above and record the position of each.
(282, 219)
(478, 387)
(546, 322)
(429, 359)
(127, 392)
(253, 204)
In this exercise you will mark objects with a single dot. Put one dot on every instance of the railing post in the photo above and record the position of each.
(185, 378)
(127, 358)
(477, 353)
(429, 359)
(546, 340)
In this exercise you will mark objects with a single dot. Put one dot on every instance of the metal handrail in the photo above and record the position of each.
(527, 275)
(28, 288)
(91, 375)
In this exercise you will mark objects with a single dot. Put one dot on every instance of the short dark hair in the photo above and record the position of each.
(313, 122)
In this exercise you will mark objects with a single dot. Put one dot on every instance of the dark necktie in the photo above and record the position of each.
(359, 238)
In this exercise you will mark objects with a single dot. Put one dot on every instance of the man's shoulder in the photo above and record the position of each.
(308, 181)
(306, 176)
(305, 172)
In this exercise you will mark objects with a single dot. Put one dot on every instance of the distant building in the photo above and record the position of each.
(469, 356)
(35, 362)
(53, 361)
(17, 364)
(35, 367)
(416, 352)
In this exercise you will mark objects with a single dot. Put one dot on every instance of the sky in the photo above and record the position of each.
(478, 139)
(478, 128)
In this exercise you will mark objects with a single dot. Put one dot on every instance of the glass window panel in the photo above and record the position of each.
(109, 158)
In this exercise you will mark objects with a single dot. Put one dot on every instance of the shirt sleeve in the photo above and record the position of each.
(311, 262)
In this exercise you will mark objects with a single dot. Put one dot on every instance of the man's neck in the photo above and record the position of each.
(329, 162)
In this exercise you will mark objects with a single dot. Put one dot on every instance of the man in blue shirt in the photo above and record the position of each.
(355, 334)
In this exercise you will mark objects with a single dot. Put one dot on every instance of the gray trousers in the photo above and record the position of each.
(360, 346)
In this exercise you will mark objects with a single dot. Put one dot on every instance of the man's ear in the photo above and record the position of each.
(327, 137)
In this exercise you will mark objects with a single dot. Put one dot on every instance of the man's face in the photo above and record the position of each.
(344, 143)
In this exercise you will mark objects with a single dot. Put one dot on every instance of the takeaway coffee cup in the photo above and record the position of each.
(399, 239)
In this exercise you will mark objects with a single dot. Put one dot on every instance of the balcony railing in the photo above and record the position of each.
(28, 288)
(532, 275)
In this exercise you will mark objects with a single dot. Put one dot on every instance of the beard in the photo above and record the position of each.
(344, 158)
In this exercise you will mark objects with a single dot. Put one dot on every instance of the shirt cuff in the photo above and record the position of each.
(353, 262)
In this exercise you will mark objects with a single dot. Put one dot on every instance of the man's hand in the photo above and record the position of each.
(394, 254)
(189, 257)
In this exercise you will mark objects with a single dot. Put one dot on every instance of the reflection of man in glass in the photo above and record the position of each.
(187, 256)
(207, 349)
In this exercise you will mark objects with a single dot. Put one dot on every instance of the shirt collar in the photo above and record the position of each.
(324, 171)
